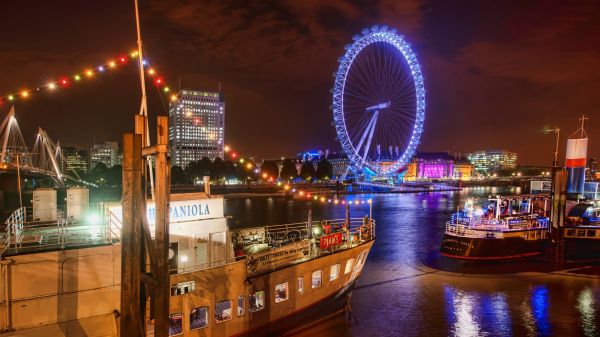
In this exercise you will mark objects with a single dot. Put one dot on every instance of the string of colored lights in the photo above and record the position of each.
(90, 73)
(288, 187)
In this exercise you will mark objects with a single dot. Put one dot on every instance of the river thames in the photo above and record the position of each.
(408, 289)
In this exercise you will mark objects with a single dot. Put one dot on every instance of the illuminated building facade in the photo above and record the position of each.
(437, 166)
(196, 126)
(463, 170)
(489, 160)
(107, 154)
(74, 159)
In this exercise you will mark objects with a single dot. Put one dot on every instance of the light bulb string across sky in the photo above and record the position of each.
(87, 74)
(288, 187)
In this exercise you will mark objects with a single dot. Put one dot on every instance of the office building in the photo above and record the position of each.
(196, 126)
(74, 159)
(487, 161)
(106, 153)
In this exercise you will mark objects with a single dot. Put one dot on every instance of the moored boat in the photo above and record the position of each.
(581, 232)
(505, 228)
(64, 274)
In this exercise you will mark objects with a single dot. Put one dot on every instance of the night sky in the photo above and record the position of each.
(496, 72)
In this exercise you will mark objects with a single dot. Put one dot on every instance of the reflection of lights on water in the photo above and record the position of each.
(527, 318)
(501, 314)
(461, 305)
(585, 306)
(534, 312)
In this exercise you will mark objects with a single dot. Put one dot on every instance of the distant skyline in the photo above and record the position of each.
(495, 73)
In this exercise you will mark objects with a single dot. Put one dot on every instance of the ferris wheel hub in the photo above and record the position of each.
(378, 106)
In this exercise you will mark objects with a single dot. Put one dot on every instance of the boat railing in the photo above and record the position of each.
(276, 246)
(483, 228)
(25, 232)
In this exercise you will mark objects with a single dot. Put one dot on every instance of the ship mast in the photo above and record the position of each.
(145, 253)
(144, 104)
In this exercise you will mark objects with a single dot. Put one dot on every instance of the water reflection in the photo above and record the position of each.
(587, 312)
(534, 312)
(477, 314)
(461, 314)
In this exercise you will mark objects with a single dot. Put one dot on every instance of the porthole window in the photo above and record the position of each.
(348, 267)
(316, 278)
(175, 324)
(300, 284)
(223, 311)
(240, 305)
(256, 301)
(281, 292)
(334, 272)
(198, 318)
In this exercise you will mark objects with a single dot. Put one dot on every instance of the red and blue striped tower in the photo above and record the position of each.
(576, 161)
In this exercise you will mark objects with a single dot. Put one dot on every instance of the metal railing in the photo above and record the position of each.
(288, 244)
(25, 234)
(495, 230)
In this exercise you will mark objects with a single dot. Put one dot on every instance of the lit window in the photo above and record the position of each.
(334, 272)
(223, 311)
(256, 301)
(300, 284)
(349, 264)
(240, 305)
(198, 318)
(281, 292)
(316, 279)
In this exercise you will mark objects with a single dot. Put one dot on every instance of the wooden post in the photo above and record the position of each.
(132, 199)
(162, 189)
(559, 200)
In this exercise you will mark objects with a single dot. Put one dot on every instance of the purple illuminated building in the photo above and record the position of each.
(438, 165)
(434, 165)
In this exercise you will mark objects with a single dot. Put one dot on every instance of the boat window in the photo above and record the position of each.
(591, 233)
(183, 288)
(570, 232)
(223, 311)
(348, 267)
(281, 292)
(580, 232)
(175, 324)
(334, 272)
(256, 301)
(359, 261)
(316, 278)
(300, 284)
(198, 318)
(240, 305)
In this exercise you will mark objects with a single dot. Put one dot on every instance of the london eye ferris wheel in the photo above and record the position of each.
(378, 102)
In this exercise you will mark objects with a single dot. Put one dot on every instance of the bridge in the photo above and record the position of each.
(45, 159)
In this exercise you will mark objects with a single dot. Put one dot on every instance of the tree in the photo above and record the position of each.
(178, 175)
(114, 176)
(288, 169)
(231, 171)
(307, 171)
(324, 170)
(196, 170)
(269, 168)
(98, 174)
(218, 169)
